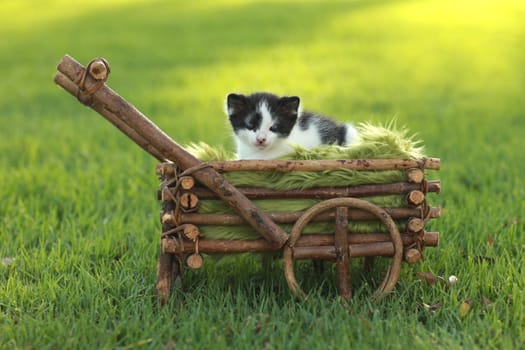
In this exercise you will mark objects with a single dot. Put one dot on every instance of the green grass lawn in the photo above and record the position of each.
(78, 208)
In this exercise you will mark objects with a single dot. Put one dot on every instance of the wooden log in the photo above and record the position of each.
(318, 253)
(385, 249)
(341, 249)
(431, 239)
(208, 246)
(327, 192)
(109, 104)
(293, 216)
(363, 250)
(321, 165)
(375, 249)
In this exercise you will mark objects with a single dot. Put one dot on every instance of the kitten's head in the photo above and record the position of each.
(260, 120)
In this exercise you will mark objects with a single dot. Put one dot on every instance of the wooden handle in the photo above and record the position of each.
(117, 110)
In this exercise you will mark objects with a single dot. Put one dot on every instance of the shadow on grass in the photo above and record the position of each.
(249, 276)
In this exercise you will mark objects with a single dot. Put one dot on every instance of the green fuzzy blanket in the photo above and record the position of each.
(376, 142)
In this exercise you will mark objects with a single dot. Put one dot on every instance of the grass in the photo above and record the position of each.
(77, 199)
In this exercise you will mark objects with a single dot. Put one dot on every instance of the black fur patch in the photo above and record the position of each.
(330, 131)
(244, 112)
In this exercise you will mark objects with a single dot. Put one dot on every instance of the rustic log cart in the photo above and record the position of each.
(186, 181)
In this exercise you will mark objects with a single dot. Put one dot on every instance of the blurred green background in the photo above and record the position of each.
(76, 194)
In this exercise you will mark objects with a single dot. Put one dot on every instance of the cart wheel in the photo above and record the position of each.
(394, 269)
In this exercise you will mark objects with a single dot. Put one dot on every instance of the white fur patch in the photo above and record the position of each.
(262, 143)
(352, 135)
(308, 138)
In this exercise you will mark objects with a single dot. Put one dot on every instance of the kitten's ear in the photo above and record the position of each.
(235, 103)
(290, 104)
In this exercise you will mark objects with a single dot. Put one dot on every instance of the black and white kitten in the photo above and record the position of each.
(267, 126)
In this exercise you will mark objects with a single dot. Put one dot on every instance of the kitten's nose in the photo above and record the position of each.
(261, 140)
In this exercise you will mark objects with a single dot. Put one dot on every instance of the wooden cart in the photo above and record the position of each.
(185, 181)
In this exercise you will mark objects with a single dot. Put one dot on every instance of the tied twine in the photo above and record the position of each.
(173, 192)
(174, 195)
(84, 94)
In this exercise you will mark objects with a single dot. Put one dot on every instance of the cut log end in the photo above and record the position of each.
(187, 182)
(98, 69)
(189, 201)
(412, 256)
(415, 225)
(194, 261)
(415, 175)
(415, 198)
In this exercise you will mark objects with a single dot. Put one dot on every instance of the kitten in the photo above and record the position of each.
(266, 126)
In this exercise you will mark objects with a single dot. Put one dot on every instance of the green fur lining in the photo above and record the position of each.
(376, 142)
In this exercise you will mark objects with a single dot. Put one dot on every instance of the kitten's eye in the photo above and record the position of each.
(273, 128)
(253, 123)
